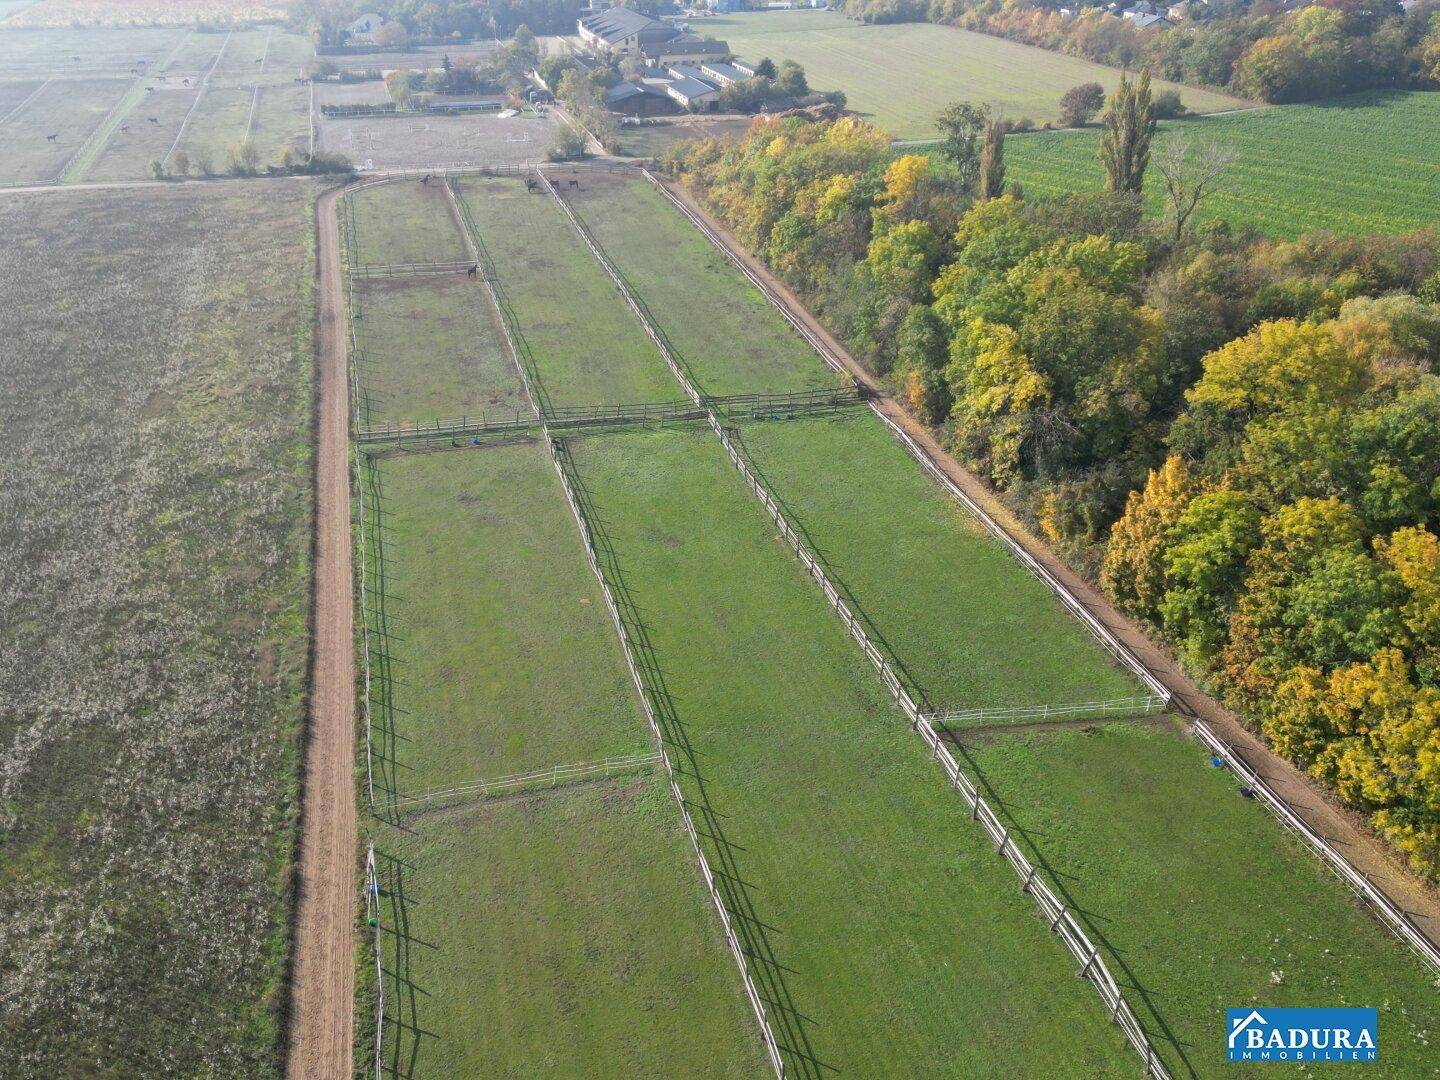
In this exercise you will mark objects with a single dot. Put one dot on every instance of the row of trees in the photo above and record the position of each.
(1258, 49)
(435, 20)
(1241, 437)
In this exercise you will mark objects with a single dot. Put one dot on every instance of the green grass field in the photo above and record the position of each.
(1199, 896)
(733, 340)
(561, 934)
(520, 933)
(1367, 163)
(895, 935)
(432, 352)
(969, 624)
(69, 109)
(901, 75)
(487, 578)
(403, 222)
(588, 345)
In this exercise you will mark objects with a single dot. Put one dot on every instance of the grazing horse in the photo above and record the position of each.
(425, 180)
(155, 120)
(574, 184)
(471, 272)
(124, 129)
(529, 183)
(52, 138)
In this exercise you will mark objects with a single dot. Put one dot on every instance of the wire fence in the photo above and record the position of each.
(1061, 921)
(1396, 920)
(412, 269)
(518, 783)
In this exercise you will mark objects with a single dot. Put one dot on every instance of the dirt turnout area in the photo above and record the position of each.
(450, 142)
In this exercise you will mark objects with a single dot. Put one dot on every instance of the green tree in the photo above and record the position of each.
(961, 125)
(1129, 126)
(1079, 104)
(1207, 548)
(992, 160)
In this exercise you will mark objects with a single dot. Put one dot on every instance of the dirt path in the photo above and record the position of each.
(1344, 831)
(322, 986)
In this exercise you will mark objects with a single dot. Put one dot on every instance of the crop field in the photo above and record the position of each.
(130, 13)
(404, 222)
(1298, 167)
(1199, 896)
(432, 352)
(154, 542)
(563, 933)
(732, 338)
(589, 347)
(900, 75)
(69, 109)
(437, 142)
(485, 566)
(881, 925)
(968, 624)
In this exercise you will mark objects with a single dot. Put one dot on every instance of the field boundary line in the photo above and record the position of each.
(751, 991)
(372, 917)
(250, 120)
(1061, 920)
(1392, 915)
(29, 98)
(1137, 705)
(199, 96)
(554, 776)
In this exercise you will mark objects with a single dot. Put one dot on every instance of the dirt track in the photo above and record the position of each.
(322, 986)
(1343, 830)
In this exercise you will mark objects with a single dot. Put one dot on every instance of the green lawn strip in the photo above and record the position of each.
(589, 347)
(970, 626)
(894, 930)
(503, 656)
(1298, 167)
(403, 221)
(732, 338)
(432, 352)
(566, 933)
(900, 75)
(1198, 895)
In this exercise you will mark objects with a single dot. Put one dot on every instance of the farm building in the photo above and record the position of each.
(364, 26)
(640, 99)
(623, 32)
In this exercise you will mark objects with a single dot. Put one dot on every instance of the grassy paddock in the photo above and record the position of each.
(732, 338)
(432, 352)
(69, 109)
(882, 924)
(1198, 896)
(901, 75)
(403, 222)
(652, 140)
(101, 52)
(503, 658)
(590, 348)
(1298, 167)
(565, 933)
(127, 154)
(971, 627)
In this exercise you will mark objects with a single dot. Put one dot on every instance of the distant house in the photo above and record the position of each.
(365, 25)
(1176, 12)
(623, 32)
(1147, 21)
(725, 74)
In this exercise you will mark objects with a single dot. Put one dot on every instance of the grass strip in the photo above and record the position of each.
(883, 930)
(1198, 897)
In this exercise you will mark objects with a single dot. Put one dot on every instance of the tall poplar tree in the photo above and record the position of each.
(1129, 125)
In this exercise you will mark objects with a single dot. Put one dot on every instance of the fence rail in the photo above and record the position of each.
(418, 269)
(593, 558)
(543, 778)
(372, 917)
(1061, 921)
(1139, 705)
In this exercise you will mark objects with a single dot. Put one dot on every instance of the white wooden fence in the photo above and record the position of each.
(1058, 916)
(516, 783)
(1138, 705)
(372, 912)
(772, 1048)
(1387, 910)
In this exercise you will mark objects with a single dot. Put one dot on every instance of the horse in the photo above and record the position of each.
(52, 138)
(155, 120)
(574, 184)
(473, 268)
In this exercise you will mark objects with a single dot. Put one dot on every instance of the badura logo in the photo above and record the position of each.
(1301, 1034)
